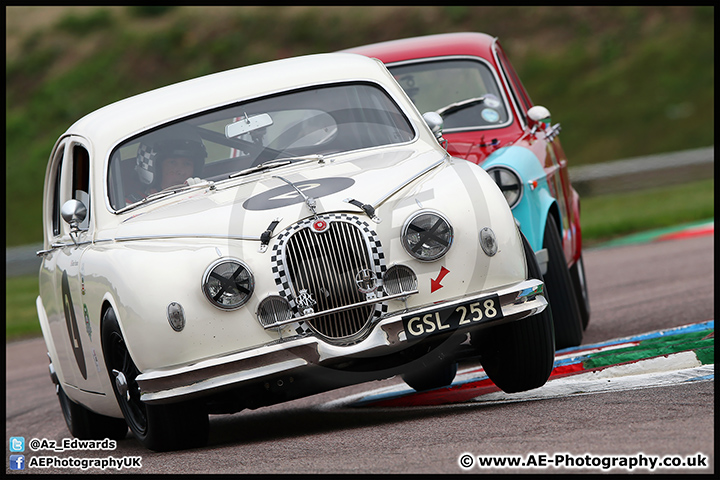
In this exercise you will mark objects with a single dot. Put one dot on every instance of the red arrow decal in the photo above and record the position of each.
(435, 284)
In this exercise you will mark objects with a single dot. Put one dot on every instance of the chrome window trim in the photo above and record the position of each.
(518, 110)
(136, 238)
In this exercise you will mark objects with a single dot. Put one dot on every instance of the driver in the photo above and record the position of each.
(167, 159)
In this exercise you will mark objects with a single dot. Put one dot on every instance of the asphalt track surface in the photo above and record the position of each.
(634, 289)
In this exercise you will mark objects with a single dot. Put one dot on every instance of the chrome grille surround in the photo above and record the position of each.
(324, 266)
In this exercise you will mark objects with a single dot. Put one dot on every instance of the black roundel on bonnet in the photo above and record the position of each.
(286, 195)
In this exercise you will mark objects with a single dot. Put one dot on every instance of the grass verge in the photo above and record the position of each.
(606, 217)
(20, 313)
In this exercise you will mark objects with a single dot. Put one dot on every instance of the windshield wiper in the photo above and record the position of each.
(276, 163)
(262, 166)
(166, 192)
(454, 107)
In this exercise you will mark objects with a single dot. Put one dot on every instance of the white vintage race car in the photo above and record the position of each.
(268, 233)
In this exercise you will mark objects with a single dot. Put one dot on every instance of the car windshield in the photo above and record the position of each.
(216, 145)
(464, 91)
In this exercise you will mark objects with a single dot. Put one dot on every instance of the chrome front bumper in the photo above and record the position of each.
(388, 336)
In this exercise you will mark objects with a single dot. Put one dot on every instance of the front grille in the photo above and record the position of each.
(325, 265)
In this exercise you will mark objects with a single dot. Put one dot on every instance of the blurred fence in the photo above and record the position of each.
(597, 179)
(644, 172)
(22, 260)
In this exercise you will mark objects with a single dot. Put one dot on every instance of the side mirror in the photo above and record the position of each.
(73, 212)
(435, 122)
(538, 113)
(541, 116)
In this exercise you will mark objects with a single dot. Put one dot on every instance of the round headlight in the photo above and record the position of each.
(509, 183)
(427, 235)
(228, 284)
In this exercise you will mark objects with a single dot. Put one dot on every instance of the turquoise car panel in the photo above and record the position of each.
(533, 208)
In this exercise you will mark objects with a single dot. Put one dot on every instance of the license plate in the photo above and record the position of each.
(451, 318)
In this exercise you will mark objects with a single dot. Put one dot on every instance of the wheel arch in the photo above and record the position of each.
(575, 226)
(49, 342)
(553, 210)
(108, 303)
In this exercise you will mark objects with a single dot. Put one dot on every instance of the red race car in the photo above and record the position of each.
(480, 111)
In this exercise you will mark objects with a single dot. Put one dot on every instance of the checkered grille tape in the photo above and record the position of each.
(282, 277)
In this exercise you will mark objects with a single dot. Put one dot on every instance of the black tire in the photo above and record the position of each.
(577, 274)
(519, 356)
(560, 291)
(158, 427)
(437, 375)
(88, 425)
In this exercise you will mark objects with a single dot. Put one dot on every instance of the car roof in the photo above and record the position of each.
(138, 113)
(460, 43)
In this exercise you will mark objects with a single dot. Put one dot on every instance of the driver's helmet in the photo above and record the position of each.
(170, 143)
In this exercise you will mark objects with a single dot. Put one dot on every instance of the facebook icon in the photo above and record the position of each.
(17, 462)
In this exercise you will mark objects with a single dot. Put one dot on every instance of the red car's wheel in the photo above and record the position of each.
(560, 291)
(577, 274)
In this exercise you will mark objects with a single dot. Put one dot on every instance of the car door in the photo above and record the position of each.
(67, 318)
(559, 182)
